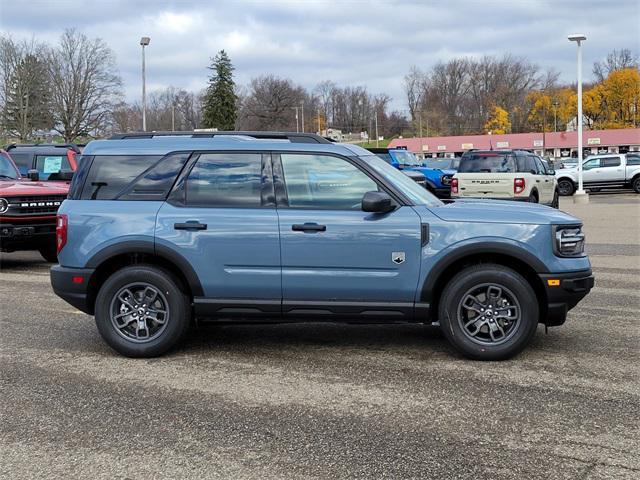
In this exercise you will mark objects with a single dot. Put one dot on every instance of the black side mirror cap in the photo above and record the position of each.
(377, 202)
(33, 175)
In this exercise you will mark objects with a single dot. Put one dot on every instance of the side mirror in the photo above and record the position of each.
(33, 175)
(377, 202)
(551, 171)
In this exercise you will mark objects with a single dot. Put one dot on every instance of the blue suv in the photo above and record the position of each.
(438, 181)
(163, 228)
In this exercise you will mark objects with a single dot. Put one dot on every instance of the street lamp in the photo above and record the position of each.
(556, 104)
(144, 41)
(580, 196)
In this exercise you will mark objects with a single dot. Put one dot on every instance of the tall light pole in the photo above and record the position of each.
(579, 196)
(144, 41)
(555, 115)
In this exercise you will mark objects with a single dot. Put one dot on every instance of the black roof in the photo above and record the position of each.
(37, 147)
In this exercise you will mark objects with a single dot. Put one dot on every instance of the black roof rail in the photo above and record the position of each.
(293, 137)
(72, 146)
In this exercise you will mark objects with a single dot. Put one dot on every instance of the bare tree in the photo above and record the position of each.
(616, 60)
(85, 85)
(414, 87)
(25, 88)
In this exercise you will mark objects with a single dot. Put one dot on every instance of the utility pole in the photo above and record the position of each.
(144, 41)
(420, 118)
(319, 129)
(297, 128)
(377, 136)
(555, 115)
(173, 117)
(302, 107)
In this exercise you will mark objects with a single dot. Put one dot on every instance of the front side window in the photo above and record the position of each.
(324, 182)
(589, 164)
(610, 162)
(225, 180)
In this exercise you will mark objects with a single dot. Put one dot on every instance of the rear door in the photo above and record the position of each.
(486, 175)
(611, 170)
(337, 259)
(221, 219)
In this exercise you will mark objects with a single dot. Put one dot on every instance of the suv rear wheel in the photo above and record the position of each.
(488, 312)
(566, 187)
(141, 312)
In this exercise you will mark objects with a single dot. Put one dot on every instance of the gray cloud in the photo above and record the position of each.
(352, 42)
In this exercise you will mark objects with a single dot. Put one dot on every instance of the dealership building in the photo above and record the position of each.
(549, 144)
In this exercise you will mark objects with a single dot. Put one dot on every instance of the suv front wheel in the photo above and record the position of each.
(488, 312)
(140, 311)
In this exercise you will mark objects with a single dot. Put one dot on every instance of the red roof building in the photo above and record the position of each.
(553, 144)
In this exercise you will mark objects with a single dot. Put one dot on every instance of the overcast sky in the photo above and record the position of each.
(351, 42)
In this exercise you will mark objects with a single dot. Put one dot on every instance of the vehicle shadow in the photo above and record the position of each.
(19, 261)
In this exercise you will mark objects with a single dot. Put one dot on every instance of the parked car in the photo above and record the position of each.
(404, 160)
(27, 211)
(505, 175)
(47, 162)
(609, 170)
(448, 167)
(234, 226)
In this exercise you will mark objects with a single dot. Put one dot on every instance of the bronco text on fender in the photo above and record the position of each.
(236, 226)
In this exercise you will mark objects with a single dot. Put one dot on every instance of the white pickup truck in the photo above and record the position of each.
(609, 170)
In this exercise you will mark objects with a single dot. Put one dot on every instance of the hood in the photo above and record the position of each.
(14, 188)
(502, 211)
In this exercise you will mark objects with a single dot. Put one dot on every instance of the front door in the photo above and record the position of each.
(336, 259)
(222, 219)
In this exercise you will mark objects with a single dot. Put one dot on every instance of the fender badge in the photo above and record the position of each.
(397, 257)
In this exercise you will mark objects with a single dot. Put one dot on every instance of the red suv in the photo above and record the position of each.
(47, 162)
(28, 210)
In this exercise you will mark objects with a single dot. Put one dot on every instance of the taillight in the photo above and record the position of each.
(454, 185)
(518, 185)
(61, 231)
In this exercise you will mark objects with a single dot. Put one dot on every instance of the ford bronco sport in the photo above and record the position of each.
(160, 228)
(27, 211)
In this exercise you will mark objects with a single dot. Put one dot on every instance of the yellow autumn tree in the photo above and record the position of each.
(619, 97)
(546, 109)
(498, 121)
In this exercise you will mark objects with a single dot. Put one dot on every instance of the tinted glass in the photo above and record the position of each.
(487, 163)
(633, 159)
(226, 180)
(51, 166)
(324, 182)
(441, 163)
(385, 156)
(610, 162)
(158, 180)
(539, 166)
(23, 161)
(7, 169)
(110, 175)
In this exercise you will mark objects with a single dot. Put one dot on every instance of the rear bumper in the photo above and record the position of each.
(67, 285)
(564, 291)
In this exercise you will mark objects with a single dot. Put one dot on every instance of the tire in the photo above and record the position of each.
(533, 197)
(126, 292)
(49, 253)
(635, 184)
(555, 203)
(518, 298)
(566, 187)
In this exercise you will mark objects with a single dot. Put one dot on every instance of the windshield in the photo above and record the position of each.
(405, 158)
(487, 163)
(417, 194)
(7, 170)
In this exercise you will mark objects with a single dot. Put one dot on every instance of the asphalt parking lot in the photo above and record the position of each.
(328, 401)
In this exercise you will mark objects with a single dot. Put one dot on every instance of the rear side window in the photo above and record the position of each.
(51, 166)
(111, 175)
(225, 180)
(610, 162)
(23, 161)
(487, 163)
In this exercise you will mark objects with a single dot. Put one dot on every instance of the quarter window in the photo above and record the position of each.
(110, 175)
(226, 180)
(324, 182)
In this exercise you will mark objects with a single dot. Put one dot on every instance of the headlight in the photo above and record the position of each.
(4, 205)
(446, 179)
(568, 241)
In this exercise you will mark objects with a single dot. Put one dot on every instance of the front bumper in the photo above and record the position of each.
(27, 235)
(67, 285)
(563, 292)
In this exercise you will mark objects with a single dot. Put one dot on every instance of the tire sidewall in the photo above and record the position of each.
(179, 314)
(570, 190)
(506, 277)
(636, 185)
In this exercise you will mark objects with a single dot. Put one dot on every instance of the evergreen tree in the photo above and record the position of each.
(219, 106)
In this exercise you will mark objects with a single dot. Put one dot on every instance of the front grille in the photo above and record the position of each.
(34, 205)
